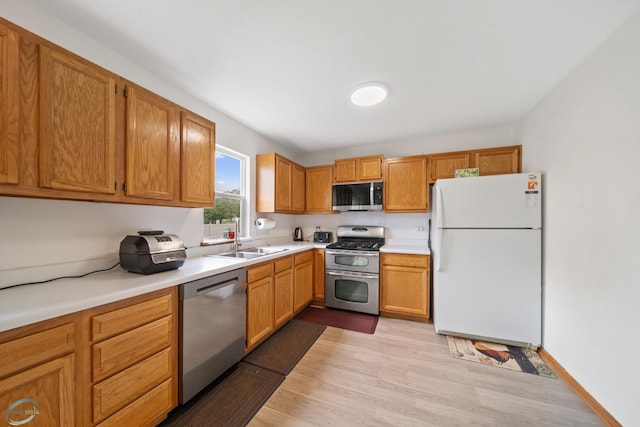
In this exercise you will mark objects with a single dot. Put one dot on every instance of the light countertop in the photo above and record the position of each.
(405, 246)
(28, 304)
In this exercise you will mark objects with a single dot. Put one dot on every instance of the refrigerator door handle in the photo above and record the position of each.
(439, 249)
(438, 207)
(439, 230)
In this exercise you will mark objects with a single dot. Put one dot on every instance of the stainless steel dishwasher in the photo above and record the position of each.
(212, 329)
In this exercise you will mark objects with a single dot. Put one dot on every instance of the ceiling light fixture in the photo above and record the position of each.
(368, 94)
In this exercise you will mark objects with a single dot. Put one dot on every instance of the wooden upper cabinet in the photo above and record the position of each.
(490, 161)
(152, 145)
(318, 189)
(497, 161)
(405, 184)
(9, 106)
(298, 180)
(197, 156)
(280, 184)
(283, 186)
(445, 165)
(358, 169)
(77, 143)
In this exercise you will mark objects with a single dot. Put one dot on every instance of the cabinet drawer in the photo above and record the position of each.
(405, 260)
(32, 349)
(304, 257)
(147, 410)
(259, 272)
(122, 351)
(283, 264)
(114, 393)
(118, 321)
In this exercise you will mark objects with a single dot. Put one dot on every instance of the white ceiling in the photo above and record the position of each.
(285, 67)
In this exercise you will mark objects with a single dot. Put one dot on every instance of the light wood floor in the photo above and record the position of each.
(403, 375)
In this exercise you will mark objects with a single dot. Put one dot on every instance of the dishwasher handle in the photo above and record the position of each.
(207, 284)
(208, 288)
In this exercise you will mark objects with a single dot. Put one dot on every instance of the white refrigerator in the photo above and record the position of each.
(486, 235)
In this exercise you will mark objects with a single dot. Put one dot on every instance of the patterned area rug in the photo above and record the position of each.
(503, 356)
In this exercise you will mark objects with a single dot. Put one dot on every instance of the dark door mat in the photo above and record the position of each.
(359, 322)
(230, 402)
(285, 348)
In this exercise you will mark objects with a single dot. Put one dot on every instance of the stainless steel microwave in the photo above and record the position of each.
(358, 196)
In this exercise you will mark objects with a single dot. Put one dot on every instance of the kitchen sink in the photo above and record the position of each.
(264, 250)
(251, 252)
(246, 255)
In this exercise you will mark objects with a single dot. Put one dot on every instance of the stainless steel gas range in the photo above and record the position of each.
(352, 267)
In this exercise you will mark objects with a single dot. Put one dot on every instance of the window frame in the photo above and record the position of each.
(243, 197)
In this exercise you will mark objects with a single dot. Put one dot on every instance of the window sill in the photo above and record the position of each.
(221, 241)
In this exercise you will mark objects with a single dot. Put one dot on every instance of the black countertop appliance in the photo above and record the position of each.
(322, 237)
(152, 252)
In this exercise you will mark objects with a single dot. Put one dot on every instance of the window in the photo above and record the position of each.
(230, 196)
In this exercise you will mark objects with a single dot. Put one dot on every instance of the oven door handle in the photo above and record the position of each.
(352, 253)
(350, 274)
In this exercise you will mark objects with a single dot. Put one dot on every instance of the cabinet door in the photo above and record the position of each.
(283, 171)
(259, 310)
(303, 282)
(370, 168)
(345, 170)
(358, 169)
(318, 275)
(318, 189)
(197, 159)
(9, 106)
(404, 290)
(405, 186)
(43, 394)
(152, 146)
(297, 188)
(445, 165)
(497, 161)
(283, 296)
(77, 124)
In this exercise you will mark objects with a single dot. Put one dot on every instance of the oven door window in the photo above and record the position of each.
(351, 290)
(352, 260)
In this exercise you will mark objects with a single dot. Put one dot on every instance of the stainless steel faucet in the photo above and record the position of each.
(236, 238)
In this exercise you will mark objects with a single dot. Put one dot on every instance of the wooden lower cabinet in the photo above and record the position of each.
(259, 303)
(276, 291)
(37, 374)
(131, 360)
(404, 286)
(318, 276)
(116, 364)
(302, 280)
(282, 291)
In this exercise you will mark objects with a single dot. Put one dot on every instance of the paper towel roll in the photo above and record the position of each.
(265, 223)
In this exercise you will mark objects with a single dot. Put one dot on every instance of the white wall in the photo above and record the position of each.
(462, 140)
(585, 137)
(48, 232)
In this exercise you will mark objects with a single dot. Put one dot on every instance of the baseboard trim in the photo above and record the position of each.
(579, 390)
